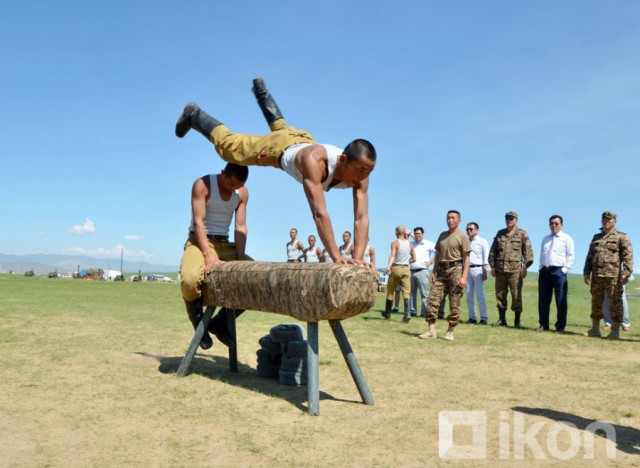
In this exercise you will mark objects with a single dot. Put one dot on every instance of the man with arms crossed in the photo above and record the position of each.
(318, 167)
(215, 199)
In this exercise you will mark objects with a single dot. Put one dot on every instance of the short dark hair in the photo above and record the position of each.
(474, 224)
(557, 216)
(358, 148)
(418, 228)
(235, 170)
(454, 211)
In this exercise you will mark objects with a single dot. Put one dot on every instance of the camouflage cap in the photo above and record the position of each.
(511, 213)
(609, 214)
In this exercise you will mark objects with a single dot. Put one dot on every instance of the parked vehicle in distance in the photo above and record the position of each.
(159, 278)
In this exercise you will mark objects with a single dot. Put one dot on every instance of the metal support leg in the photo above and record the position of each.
(352, 363)
(195, 342)
(313, 389)
(233, 350)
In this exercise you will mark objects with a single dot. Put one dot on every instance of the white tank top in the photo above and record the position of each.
(403, 254)
(292, 250)
(345, 252)
(311, 256)
(367, 254)
(327, 257)
(289, 166)
(219, 212)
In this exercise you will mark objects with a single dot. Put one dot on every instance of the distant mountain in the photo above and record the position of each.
(43, 263)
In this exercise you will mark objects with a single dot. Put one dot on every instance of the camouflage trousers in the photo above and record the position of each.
(611, 286)
(446, 284)
(509, 281)
(253, 150)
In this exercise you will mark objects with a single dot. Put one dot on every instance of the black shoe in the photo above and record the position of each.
(561, 332)
(518, 326)
(414, 314)
(473, 321)
(183, 125)
(483, 322)
(499, 323)
(542, 329)
(218, 326)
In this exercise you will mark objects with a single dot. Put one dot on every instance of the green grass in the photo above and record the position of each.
(87, 379)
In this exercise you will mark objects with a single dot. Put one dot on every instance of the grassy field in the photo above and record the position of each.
(87, 378)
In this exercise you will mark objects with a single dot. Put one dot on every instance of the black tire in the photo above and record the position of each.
(267, 343)
(266, 358)
(292, 378)
(287, 332)
(294, 364)
(270, 372)
(295, 349)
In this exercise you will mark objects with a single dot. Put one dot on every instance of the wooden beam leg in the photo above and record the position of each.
(313, 389)
(352, 363)
(195, 341)
(233, 350)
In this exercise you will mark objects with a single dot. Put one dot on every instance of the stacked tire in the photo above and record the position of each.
(283, 355)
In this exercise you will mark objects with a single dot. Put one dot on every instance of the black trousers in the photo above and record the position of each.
(552, 281)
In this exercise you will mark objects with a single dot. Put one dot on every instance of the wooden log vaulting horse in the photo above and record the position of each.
(308, 292)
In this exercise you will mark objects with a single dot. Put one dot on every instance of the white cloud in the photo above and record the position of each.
(87, 228)
(132, 237)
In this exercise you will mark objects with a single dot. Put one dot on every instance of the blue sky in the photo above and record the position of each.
(479, 106)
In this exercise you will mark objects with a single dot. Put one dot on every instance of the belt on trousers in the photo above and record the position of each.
(446, 265)
(214, 238)
(550, 268)
(400, 264)
(415, 270)
(475, 266)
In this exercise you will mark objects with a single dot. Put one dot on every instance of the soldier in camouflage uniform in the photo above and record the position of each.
(509, 257)
(449, 276)
(609, 265)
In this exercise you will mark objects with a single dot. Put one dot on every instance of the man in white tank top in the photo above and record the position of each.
(318, 167)
(313, 254)
(346, 248)
(294, 246)
(398, 270)
(215, 199)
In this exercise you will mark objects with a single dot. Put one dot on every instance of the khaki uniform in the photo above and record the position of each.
(192, 264)
(451, 250)
(509, 253)
(252, 150)
(610, 256)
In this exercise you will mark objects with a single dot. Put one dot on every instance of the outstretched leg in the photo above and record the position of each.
(194, 117)
(268, 105)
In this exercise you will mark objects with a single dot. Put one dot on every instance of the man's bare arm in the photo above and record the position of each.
(199, 194)
(240, 232)
(361, 219)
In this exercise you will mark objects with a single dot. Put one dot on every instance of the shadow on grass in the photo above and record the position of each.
(627, 438)
(217, 368)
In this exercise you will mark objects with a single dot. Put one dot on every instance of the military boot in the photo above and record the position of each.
(430, 333)
(267, 104)
(516, 323)
(387, 309)
(594, 331)
(614, 334)
(449, 335)
(218, 326)
(407, 311)
(194, 117)
(502, 322)
(194, 311)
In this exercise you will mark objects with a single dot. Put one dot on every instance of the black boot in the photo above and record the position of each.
(218, 326)
(194, 311)
(503, 319)
(194, 117)
(387, 309)
(407, 311)
(266, 102)
(516, 323)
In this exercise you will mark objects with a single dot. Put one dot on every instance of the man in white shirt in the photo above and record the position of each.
(478, 268)
(424, 250)
(556, 259)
